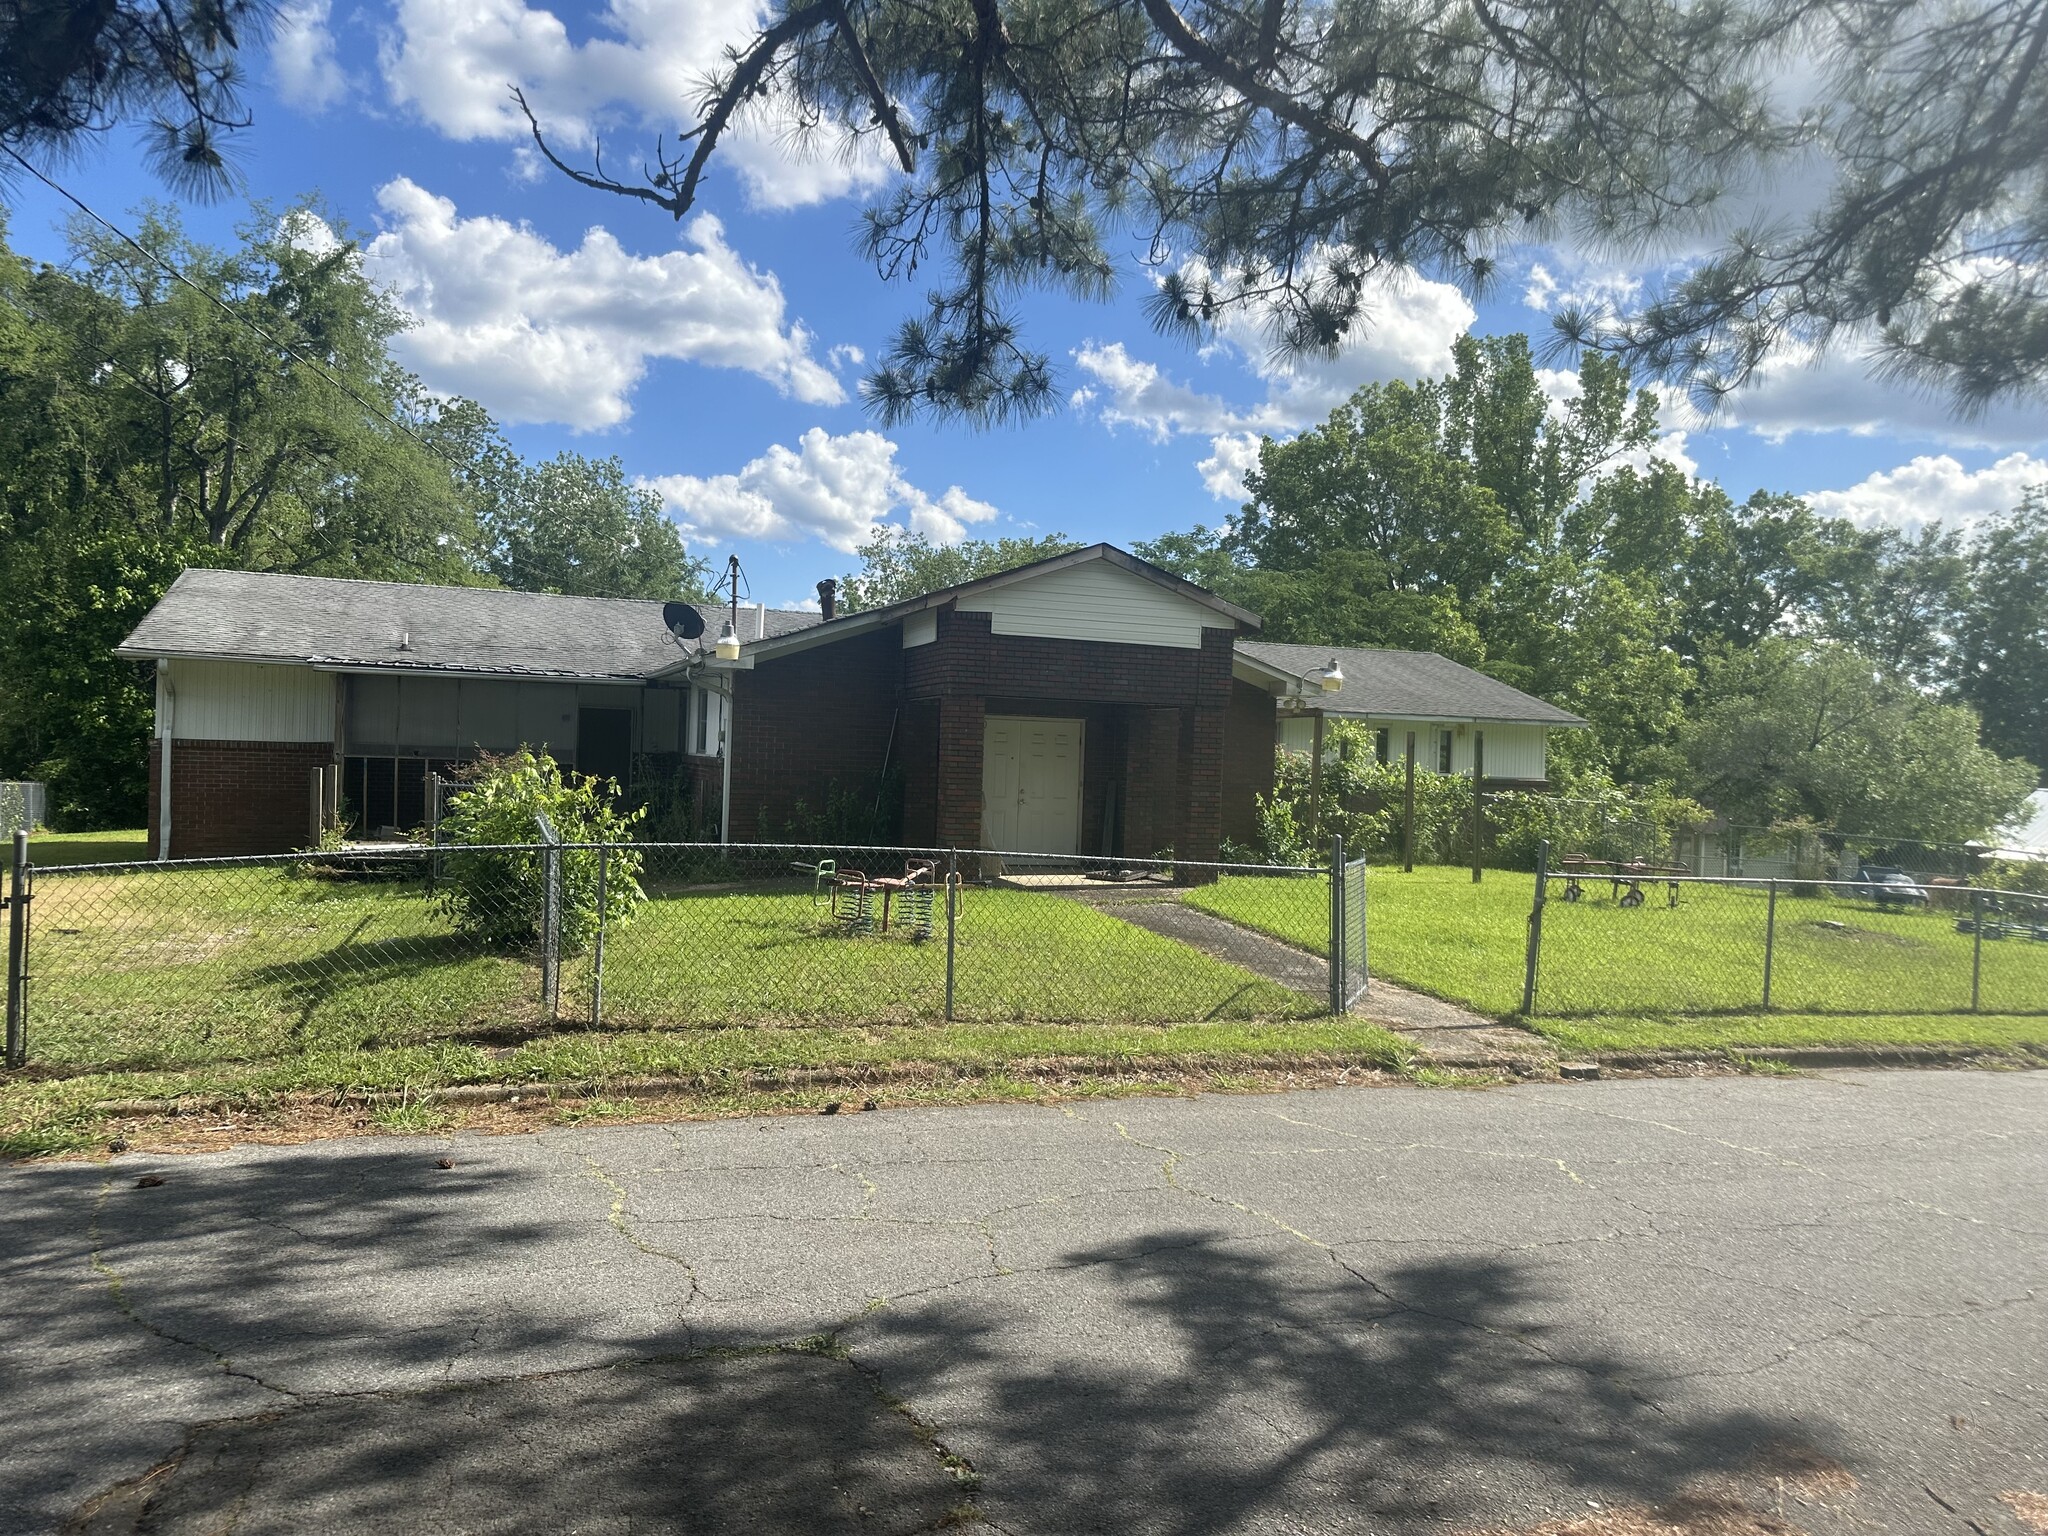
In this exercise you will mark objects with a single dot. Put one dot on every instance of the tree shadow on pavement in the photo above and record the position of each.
(383, 1344)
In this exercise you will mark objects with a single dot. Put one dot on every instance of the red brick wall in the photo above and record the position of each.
(969, 665)
(1248, 740)
(236, 797)
(1157, 723)
(805, 722)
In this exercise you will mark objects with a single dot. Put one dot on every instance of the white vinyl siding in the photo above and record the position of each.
(1512, 751)
(250, 701)
(920, 629)
(1095, 601)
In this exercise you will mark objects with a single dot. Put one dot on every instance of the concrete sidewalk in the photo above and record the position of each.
(1813, 1301)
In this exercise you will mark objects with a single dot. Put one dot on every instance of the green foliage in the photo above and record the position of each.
(2001, 648)
(149, 429)
(898, 564)
(1596, 817)
(1360, 798)
(846, 817)
(69, 73)
(577, 525)
(497, 897)
(2029, 875)
(1789, 732)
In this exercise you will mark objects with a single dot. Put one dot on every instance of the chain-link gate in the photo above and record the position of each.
(1347, 929)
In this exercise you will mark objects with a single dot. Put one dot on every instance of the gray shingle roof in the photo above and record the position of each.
(1410, 685)
(258, 616)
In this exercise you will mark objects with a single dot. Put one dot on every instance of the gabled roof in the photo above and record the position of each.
(1407, 685)
(848, 625)
(356, 625)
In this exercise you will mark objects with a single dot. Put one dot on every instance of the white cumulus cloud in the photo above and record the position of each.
(1232, 456)
(1407, 332)
(453, 62)
(1934, 488)
(309, 74)
(537, 333)
(833, 489)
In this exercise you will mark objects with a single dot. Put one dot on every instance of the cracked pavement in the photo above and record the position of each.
(1376, 1309)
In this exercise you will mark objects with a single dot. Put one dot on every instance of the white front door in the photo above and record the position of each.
(1031, 784)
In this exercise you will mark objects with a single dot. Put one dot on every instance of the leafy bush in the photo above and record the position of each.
(1598, 817)
(1362, 798)
(497, 896)
(2029, 875)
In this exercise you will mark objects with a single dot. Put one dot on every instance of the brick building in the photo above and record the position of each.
(1088, 703)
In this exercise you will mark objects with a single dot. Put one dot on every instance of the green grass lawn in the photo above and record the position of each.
(1620, 978)
(259, 980)
(87, 847)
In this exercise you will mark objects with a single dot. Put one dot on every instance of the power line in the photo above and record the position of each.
(232, 313)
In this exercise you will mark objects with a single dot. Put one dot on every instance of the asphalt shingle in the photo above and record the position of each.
(261, 616)
(1410, 685)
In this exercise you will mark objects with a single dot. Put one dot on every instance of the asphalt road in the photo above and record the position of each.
(1757, 1305)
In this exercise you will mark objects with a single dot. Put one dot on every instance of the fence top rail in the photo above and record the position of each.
(1782, 882)
(421, 851)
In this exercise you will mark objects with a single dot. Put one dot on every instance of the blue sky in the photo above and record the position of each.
(719, 358)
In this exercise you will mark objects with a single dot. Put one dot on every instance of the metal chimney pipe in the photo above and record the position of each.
(828, 598)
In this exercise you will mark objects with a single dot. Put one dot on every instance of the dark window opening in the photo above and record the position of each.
(1383, 744)
(604, 744)
(386, 795)
(1443, 751)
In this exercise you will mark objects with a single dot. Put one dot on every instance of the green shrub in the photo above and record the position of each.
(497, 896)
(1362, 798)
(1596, 817)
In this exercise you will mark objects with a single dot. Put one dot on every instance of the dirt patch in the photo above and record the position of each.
(293, 1121)
(1703, 1515)
(2028, 1507)
(1719, 1505)
(1801, 1470)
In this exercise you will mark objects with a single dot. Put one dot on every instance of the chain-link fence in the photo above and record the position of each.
(1616, 941)
(146, 965)
(24, 806)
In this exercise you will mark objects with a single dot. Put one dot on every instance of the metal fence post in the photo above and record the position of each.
(1536, 929)
(551, 932)
(597, 956)
(1976, 950)
(952, 906)
(1337, 987)
(18, 893)
(1770, 942)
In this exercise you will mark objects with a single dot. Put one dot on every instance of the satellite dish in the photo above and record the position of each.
(683, 620)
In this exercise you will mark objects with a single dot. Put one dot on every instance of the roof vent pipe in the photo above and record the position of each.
(828, 598)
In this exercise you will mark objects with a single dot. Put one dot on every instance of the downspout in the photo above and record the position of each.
(166, 705)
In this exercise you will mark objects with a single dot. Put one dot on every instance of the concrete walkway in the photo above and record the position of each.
(1809, 1305)
(1443, 1032)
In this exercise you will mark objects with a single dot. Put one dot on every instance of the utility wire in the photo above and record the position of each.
(234, 314)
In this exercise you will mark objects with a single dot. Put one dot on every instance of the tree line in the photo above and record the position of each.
(251, 417)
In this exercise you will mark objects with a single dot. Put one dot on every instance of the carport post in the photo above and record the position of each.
(1408, 814)
(17, 953)
(952, 903)
(1536, 929)
(1976, 952)
(1770, 941)
(1478, 797)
